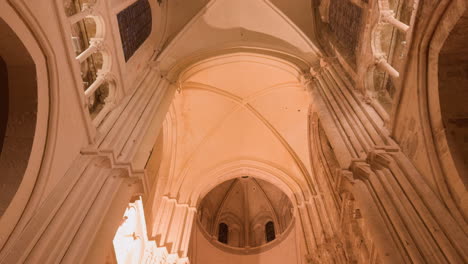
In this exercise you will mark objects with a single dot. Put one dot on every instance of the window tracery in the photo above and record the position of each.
(135, 26)
(88, 42)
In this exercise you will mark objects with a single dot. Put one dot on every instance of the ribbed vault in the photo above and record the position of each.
(245, 206)
(238, 107)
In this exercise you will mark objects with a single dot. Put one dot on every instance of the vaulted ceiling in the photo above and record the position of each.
(210, 27)
(239, 66)
(180, 12)
(236, 107)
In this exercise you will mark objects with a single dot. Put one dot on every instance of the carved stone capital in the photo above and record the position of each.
(306, 79)
(179, 86)
(379, 58)
(385, 14)
(89, 9)
(97, 43)
(379, 159)
(326, 62)
(105, 76)
(320, 66)
(345, 181)
(361, 170)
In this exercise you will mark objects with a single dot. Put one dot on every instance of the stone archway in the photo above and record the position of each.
(19, 113)
(446, 111)
(23, 123)
(453, 91)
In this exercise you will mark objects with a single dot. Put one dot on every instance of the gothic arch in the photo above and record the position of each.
(450, 176)
(29, 80)
(181, 69)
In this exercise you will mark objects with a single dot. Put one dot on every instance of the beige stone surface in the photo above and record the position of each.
(349, 118)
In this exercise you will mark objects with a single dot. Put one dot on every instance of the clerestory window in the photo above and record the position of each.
(270, 231)
(223, 233)
(135, 26)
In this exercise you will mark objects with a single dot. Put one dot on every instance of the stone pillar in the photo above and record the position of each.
(406, 220)
(176, 227)
(165, 221)
(309, 238)
(385, 66)
(399, 208)
(369, 208)
(100, 80)
(246, 214)
(187, 231)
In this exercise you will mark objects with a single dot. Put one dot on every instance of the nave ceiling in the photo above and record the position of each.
(222, 26)
(180, 12)
(240, 89)
(224, 113)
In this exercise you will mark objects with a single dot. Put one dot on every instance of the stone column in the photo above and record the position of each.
(388, 16)
(100, 80)
(165, 221)
(382, 63)
(187, 231)
(399, 208)
(369, 208)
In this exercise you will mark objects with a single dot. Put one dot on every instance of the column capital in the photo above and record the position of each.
(316, 70)
(379, 159)
(306, 78)
(89, 9)
(326, 62)
(384, 14)
(361, 170)
(345, 181)
(104, 75)
(98, 43)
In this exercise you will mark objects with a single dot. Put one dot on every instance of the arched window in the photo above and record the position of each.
(270, 231)
(223, 233)
(135, 26)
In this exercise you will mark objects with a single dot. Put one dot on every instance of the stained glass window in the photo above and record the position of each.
(135, 26)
